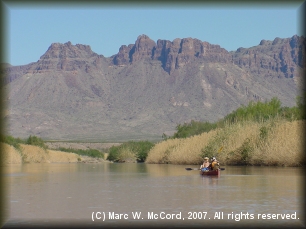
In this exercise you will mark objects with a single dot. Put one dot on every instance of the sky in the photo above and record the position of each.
(31, 28)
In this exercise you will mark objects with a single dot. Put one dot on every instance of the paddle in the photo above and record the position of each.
(200, 169)
(221, 148)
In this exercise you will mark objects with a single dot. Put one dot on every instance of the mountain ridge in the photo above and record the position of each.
(147, 88)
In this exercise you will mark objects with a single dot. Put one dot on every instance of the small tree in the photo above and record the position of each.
(36, 141)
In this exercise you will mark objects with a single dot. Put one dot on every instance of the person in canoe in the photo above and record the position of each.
(214, 165)
(205, 165)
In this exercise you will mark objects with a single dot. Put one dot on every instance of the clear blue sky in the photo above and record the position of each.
(32, 28)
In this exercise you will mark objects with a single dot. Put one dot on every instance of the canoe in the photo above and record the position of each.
(210, 172)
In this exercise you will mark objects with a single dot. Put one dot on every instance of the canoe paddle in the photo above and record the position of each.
(200, 169)
(221, 148)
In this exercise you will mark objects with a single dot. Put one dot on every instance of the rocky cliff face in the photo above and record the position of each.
(172, 55)
(67, 57)
(147, 88)
(280, 56)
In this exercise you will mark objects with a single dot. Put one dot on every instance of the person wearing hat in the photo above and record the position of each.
(214, 164)
(205, 165)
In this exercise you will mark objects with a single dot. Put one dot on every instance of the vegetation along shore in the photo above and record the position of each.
(35, 150)
(261, 133)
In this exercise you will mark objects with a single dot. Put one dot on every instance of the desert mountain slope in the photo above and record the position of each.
(147, 88)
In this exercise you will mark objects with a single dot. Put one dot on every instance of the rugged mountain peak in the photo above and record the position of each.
(123, 56)
(143, 48)
(67, 57)
(282, 57)
(181, 52)
(173, 55)
(67, 50)
(72, 92)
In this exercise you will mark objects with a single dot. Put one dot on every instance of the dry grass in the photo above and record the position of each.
(57, 156)
(127, 155)
(34, 154)
(275, 142)
(180, 151)
(283, 146)
(9, 155)
(188, 152)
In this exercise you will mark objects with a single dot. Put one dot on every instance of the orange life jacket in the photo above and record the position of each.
(214, 165)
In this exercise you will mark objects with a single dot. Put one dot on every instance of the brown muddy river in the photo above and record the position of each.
(110, 194)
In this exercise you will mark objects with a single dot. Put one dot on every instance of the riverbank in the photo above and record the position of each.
(35, 154)
(80, 145)
(276, 142)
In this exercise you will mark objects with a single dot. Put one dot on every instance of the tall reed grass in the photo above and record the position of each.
(272, 142)
(33, 154)
(9, 154)
(180, 150)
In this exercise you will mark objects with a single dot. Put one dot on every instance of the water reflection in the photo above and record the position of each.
(210, 181)
(73, 191)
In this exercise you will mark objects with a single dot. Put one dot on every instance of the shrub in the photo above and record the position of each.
(124, 151)
(254, 111)
(87, 152)
(36, 141)
(113, 153)
(243, 153)
(193, 128)
(15, 142)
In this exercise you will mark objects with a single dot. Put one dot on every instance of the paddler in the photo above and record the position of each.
(214, 164)
(205, 165)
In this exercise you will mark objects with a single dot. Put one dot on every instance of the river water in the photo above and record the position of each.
(111, 194)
